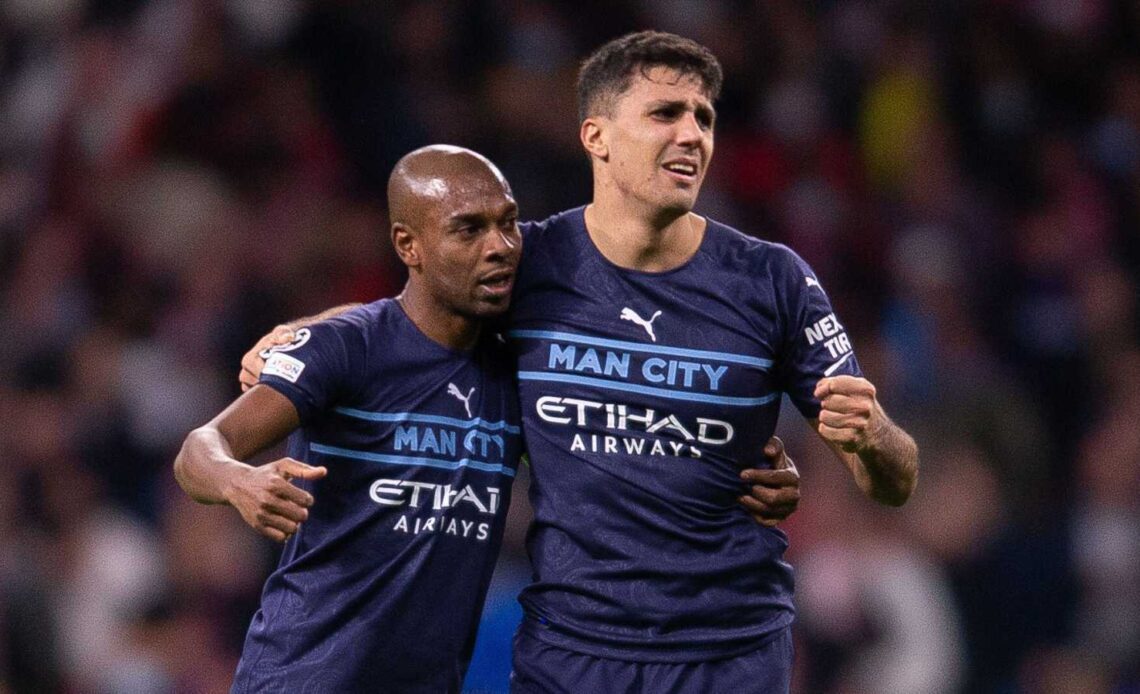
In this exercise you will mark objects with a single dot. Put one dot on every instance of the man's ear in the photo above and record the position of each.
(406, 245)
(592, 135)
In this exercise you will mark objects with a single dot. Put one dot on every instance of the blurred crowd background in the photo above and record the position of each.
(178, 176)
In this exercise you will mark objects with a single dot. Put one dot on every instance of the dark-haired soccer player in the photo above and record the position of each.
(653, 347)
(406, 423)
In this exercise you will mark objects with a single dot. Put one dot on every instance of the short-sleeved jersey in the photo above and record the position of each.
(644, 395)
(382, 587)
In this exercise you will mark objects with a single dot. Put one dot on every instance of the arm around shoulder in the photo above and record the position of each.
(253, 360)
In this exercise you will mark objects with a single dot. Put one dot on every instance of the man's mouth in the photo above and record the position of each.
(499, 282)
(682, 170)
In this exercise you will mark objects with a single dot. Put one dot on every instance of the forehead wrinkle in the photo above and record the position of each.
(492, 204)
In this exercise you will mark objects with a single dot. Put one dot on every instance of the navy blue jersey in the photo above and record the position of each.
(382, 587)
(644, 395)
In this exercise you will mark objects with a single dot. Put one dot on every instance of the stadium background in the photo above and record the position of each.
(176, 176)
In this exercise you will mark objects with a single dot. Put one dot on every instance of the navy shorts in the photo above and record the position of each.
(540, 668)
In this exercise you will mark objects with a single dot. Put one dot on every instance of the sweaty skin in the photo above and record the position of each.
(454, 224)
(429, 175)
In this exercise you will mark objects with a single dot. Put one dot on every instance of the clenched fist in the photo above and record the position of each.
(849, 414)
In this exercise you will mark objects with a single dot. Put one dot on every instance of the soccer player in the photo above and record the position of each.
(653, 348)
(405, 441)
(654, 345)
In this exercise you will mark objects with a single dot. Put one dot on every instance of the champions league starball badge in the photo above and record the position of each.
(299, 338)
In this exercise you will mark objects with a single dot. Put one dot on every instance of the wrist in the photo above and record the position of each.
(878, 430)
(233, 481)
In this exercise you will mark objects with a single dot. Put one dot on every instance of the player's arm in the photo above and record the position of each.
(254, 359)
(211, 468)
(773, 494)
(882, 457)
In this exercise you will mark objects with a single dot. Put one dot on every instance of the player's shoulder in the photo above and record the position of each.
(325, 350)
(358, 323)
(768, 258)
(554, 226)
(548, 243)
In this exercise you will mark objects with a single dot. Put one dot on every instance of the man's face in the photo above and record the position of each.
(660, 139)
(470, 244)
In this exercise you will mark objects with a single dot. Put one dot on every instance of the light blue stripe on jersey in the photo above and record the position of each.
(408, 460)
(644, 347)
(646, 390)
(427, 419)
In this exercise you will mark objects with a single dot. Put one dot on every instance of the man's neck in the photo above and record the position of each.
(440, 326)
(643, 239)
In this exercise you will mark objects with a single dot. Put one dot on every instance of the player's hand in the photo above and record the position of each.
(254, 360)
(773, 494)
(849, 415)
(267, 499)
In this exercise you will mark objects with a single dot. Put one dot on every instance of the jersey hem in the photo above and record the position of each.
(650, 652)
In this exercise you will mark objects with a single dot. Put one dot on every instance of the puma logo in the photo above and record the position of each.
(630, 315)
(452, 389)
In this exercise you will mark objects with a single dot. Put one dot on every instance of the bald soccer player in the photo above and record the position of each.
(405, 437)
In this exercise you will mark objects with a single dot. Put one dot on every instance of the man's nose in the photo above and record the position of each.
(689, 131)
(501, 242)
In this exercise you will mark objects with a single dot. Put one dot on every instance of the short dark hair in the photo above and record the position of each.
(608, 72)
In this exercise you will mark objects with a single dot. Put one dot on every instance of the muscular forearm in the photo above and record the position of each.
(211, 470)
(882, 457)
(206, 468)
(888, 464)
